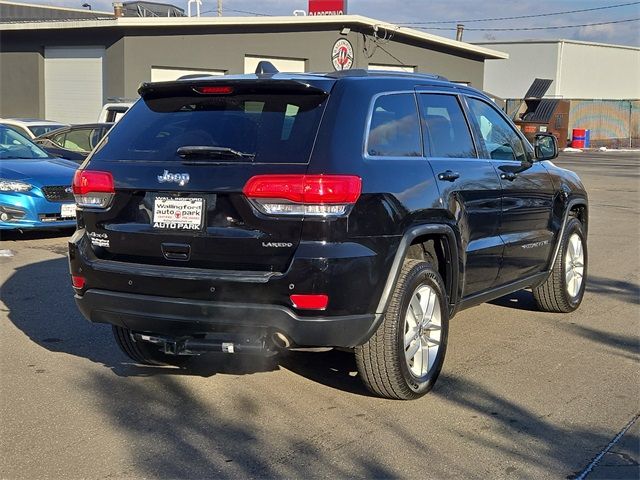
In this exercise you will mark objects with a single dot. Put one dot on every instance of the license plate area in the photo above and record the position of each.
(178, 213)
(68, 210)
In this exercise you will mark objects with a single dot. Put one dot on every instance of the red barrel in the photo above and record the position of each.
(578, 137)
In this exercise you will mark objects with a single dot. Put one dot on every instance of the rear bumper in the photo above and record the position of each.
(183, 317)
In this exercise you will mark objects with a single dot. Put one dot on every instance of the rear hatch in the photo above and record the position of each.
(179, 161)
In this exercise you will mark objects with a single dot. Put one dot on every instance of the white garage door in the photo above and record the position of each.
(167, 74)
(73, 91)
(290, 65)
(392, 68)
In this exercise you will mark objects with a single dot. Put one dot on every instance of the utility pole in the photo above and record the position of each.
(459, 31)
(219, 8)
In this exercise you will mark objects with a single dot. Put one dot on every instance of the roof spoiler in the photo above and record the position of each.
(238, 86)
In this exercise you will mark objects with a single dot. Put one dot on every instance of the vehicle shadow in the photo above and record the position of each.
(520, 300)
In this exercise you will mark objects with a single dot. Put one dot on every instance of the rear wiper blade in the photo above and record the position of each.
(211, 152)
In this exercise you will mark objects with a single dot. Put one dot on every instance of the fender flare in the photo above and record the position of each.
(578, 201)
(409, 236)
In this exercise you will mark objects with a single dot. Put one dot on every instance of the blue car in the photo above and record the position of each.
(35, 188)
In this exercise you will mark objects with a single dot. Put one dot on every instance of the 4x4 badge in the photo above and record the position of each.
(180, 178)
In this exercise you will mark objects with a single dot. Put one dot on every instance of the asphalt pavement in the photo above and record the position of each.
(523, 394)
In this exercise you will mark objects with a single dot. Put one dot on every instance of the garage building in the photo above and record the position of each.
(65, 70)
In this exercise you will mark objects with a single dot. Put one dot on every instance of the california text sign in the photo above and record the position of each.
(327, 7)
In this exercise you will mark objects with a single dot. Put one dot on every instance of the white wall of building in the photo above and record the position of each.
(167, 74)
(512, 78)
(598, 72)
(579, 70)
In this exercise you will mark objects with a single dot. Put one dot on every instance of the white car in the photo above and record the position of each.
(113, 111)
(31, 127)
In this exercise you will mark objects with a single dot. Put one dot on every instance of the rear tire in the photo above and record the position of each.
(403, 358)
(146, 353)
(563, 290)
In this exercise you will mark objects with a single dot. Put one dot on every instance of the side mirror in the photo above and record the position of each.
(546, 146)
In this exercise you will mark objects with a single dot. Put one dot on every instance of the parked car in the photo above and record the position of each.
(113, 111)
(73, 142)
(35, 188)
(358, 210)
(31, 127)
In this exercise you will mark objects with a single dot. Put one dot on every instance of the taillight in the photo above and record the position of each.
(93, 189)
(313, 195)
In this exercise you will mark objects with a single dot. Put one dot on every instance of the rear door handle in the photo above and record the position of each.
(511, 176)
(448, 176)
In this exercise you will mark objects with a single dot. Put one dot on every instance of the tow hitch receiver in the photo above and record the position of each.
(198, 346)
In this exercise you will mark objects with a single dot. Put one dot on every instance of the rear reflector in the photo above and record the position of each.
(78, 281)
(93, 189)
(319, 195)
(310, 302)
(214, 90)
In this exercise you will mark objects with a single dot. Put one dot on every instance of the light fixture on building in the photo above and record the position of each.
(345, 31)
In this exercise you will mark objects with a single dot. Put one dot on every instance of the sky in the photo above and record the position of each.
(405, 11)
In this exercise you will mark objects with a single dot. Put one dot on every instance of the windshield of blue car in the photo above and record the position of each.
(15, 146)
(38, 130)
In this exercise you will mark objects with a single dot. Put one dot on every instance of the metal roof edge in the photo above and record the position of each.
(281, 20)
(560, 40)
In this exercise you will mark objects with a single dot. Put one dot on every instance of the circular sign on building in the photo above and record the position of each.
(342, 54)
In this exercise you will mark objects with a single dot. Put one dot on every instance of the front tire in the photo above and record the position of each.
(563, 290)
(403, 359)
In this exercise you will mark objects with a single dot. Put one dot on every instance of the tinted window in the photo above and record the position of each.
(268, 128)
(14, 146)
(501, 141)
(395, 127)
(446, 131)
(80, 140)
(38, 130)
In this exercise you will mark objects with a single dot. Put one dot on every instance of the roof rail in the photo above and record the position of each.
(266, 68)
(431, 76)
(359, 72)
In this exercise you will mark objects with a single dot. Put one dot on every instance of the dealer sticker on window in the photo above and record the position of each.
(178, 213)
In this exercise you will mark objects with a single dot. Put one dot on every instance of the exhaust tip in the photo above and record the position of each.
(280, 340)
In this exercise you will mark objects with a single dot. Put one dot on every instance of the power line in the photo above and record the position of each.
(532, 28)
(257, 14)
(254, 13)
(549, 14)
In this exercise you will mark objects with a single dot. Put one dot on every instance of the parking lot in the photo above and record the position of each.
(523, 394)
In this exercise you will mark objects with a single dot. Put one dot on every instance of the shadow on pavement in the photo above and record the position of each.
(14, 235)
(520, 300)
(618, 289)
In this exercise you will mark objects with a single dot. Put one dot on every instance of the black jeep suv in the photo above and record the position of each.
(357, 210)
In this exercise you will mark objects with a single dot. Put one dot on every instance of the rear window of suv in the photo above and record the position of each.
(264, 128)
